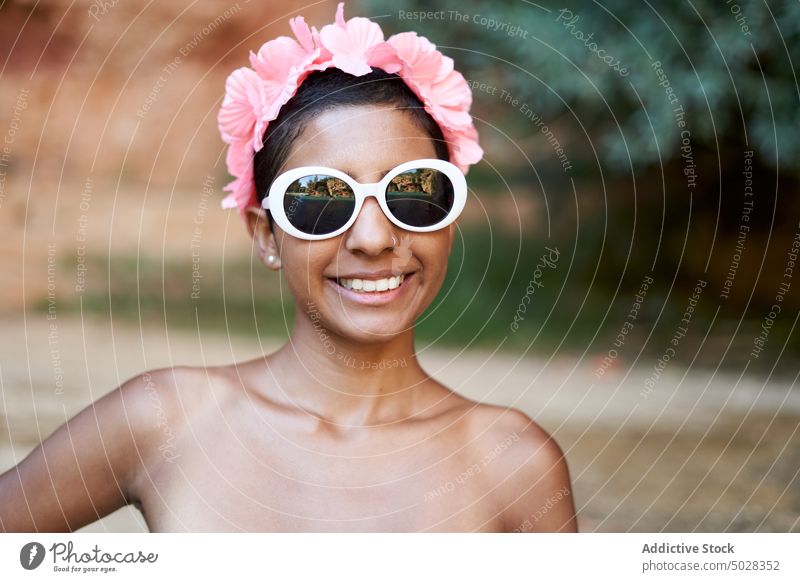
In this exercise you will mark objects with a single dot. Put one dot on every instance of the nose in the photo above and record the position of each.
(372, 232)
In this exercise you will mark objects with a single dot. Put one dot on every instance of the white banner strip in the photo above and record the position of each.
(401, 557)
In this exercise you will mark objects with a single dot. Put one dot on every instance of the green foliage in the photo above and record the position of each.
(238, 297)
(732, 65)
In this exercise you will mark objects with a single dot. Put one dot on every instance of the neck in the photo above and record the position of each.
(347, 382)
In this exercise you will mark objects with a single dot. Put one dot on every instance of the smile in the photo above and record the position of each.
(372, 285)
(373, 292)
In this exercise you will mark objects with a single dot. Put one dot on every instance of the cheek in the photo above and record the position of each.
(304, 264)
(433, 253)
(435, 278)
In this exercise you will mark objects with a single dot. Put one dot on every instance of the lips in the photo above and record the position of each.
(372, 290)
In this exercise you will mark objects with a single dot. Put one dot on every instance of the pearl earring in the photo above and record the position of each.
(271, 259)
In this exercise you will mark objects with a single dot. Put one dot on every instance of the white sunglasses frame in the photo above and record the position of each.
(274, 200)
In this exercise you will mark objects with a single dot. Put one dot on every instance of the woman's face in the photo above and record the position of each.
(365, 142)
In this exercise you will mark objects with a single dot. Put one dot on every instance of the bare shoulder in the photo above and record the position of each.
(174, 391)
(525, 469)
(161, 404)
(149, 403)
(153, 396)
(181, 392)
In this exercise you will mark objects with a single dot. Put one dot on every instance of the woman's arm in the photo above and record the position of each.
(85, 469)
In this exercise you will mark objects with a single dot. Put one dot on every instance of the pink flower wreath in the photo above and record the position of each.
(254, 96)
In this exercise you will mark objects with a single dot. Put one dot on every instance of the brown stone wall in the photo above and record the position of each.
(111, 108)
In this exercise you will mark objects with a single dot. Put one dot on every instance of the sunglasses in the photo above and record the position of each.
(315, 202)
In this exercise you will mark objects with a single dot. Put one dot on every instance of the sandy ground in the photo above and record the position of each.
(702, 452)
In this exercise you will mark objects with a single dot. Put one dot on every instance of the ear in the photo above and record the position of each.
(263, 237)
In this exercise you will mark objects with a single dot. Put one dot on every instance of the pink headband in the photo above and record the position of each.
(254, 96)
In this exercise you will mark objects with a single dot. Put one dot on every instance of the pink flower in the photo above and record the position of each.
(242, 106)
(239, 157)
(307, 37)
(463, 146)
(431, 75)
(353, 43)
(450, 100)
(422, 64)
(242, 189)
(384, 56)
(278, 65)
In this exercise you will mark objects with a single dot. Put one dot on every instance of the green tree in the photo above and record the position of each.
(731, 65)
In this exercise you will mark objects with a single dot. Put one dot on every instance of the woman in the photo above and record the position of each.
(348, 154)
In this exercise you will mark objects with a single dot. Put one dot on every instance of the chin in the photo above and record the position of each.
(371, 328)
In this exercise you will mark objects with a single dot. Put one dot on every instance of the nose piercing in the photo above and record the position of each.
(394, 241)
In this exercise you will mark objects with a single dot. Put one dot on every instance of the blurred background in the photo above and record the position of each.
(626, 265)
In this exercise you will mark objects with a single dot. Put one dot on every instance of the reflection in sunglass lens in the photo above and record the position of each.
(318, 204)
(420, 197)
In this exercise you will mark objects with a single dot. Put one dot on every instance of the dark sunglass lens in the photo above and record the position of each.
(420, 197)
(318, 204)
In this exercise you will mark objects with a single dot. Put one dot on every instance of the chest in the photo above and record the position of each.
(272, 483)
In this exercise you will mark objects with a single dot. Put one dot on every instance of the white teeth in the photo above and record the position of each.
(372, 285)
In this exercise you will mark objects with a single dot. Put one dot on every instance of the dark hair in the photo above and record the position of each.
(325, 90)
